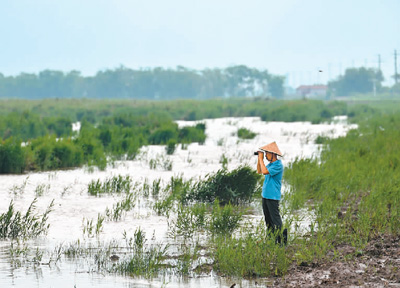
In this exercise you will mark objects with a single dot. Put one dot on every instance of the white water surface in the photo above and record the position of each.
(73, 204)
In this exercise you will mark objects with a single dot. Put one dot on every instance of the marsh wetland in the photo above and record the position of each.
(120, 226)
(137, 196)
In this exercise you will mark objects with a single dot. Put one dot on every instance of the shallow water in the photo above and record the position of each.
(73, 204)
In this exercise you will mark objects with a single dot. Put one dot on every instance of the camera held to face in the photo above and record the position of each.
(256, 153)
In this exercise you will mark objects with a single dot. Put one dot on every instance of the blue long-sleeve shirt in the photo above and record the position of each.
(273, 181)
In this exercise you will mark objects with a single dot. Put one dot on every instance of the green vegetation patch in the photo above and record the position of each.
(16, 225)
(236, 186)
(244, 133)
(94, 111)
(354, 186)
(115, 184)
(117, 137)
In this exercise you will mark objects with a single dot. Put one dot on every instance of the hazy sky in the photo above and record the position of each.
(294, 38)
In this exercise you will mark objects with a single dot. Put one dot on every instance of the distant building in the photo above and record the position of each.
(312, 91)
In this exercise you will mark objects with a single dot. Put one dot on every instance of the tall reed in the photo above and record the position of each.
(115, 184)
(14, 224)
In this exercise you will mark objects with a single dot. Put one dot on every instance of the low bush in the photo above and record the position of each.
(171, 146)
(244, 133)
(224, 220)
(12, 157)
(236, 186)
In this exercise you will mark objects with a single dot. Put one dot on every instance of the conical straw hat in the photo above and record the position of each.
(272, 147)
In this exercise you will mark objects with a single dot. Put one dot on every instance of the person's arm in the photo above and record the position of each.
(264, 169)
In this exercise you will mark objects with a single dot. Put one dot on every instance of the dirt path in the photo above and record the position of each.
(378, 265)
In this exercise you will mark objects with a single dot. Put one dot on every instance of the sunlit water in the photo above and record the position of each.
(73, 204)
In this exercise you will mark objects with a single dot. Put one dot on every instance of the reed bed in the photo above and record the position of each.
(116, 184)
(16, 225)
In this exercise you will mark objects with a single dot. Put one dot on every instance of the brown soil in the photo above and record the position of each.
(378, 265)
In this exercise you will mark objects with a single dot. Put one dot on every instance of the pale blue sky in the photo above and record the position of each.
(288, 37)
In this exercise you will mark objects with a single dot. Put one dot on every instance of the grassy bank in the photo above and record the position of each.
(354, 186)
(353, 192)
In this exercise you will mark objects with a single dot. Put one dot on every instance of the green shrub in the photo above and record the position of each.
(58, 126)
(170, 148)
(12, 156)
(163, 134)
(244, 133)
(66, 155)
(50, 153)
(224, 220)
(192, 134)
(179, 189)
(92, 150)
(189, 220)
(42, 151)
(236, 186)
(321, 139)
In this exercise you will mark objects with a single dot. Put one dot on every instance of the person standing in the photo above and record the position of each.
(271, 191)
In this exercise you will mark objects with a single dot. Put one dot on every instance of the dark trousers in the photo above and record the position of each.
(273, 219)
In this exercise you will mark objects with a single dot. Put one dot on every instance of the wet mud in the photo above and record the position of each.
(377, 265)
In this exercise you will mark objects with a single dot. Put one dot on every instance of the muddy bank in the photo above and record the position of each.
(377, 265)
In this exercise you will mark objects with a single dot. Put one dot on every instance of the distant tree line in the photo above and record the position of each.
(155, 83)
(358, 80)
